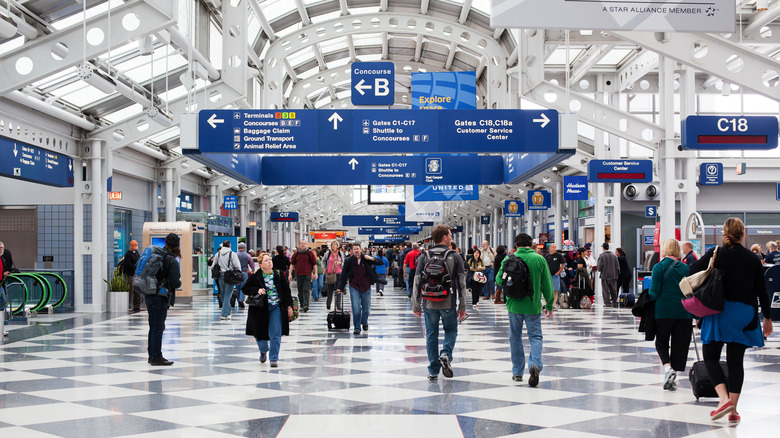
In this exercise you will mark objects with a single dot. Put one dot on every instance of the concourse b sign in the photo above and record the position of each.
(373, 83)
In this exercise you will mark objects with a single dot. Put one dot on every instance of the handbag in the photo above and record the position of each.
(331, 278)
(233, 275)
(479, 277)
(295, 309)
(709, 298)
(256, 300)
(692, 282)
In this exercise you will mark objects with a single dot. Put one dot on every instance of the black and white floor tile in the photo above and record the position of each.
(600, 378)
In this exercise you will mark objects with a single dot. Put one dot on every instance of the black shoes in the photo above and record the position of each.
(365, 326)
(534, 379)
(160, 362)
(517, 378)
(305, 308)
(446, 369)
(356, 332)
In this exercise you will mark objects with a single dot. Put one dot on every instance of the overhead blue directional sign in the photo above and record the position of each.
(410, 229)
(379, 221)
(373, 83)
(521, 167)
(22, 161)
(377, 131)
(388, 240)
(620, 171)
(230, 203)
(513, 208)
(284, 216)
(651, 211)
(777, 193)
(383, 170)
(729, 132)
(243, 167)
(539, 200)
(379, 230)
(467, 192)
(393, 237)
(575, 188)
(711, 174)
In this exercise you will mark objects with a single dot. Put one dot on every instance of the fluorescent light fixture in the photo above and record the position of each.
(24, 28)
(7, 28)
(90, 75)
(159, 117)
(762, 5)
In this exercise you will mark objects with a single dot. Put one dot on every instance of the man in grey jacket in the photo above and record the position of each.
(609, 268)
(445, 309)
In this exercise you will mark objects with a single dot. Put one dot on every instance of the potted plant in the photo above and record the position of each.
(118, 292)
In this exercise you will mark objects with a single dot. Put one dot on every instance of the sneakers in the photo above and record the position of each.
(517, 378)
(381, 294)
(446, 369)
(160, 362)
(432, 377)
(669, 380)
(274, 364)
(365, 326)
(263, 356)
(305, 309)
(225, 318)
(534, 379)
(356, 332)
(734, 418)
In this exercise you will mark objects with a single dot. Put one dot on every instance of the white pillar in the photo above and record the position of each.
(155, 201)
(214, 195)
(79, 192)
(558, 193)
(666, 150)
(688, 158)
(170, 199)
(494, 239)
(264, 244)
(243, 217)
(97, 248)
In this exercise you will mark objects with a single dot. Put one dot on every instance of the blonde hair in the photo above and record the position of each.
(671, 248)
(263, 254)
(755, 247)
(733, 230)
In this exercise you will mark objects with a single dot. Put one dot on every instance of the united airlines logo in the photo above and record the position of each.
(537, 198)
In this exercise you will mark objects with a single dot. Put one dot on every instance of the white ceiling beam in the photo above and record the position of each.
(587, 60)
(424, 7)
(344, 8)
(761, 19)
(464, 11)
(264, 24)
(635, 69)
(451, 55)
(38, 53)
(385, 46)
(418, 43)
(302, 12)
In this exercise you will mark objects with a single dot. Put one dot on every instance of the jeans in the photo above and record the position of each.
(274, 332)
(304, 289)
(157, 306)
(534, 325)
(225, 292)
(361, 306)
(490, 286)
(408, 280)
(449, 319)
(241, 295)
(379, 286)
(316, 286)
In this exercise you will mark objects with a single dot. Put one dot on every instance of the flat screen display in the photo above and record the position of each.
(386, 194)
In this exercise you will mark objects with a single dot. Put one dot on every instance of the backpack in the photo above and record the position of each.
(516, 277)
(435, 276)
(148, 268)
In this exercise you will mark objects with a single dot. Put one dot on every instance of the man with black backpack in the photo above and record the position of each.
(439, 276)
(525, 277)
(168, 280)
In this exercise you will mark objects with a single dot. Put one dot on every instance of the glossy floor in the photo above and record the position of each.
(599, 379)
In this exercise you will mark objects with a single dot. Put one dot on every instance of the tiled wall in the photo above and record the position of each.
(55, 235)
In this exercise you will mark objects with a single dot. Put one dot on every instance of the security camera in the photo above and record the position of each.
(641, 191)
(651, 191)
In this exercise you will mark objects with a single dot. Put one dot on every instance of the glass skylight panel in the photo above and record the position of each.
(614, 56)
(482, 6)
(143, 72)
(173, 94)
(91, 12)
(55, 78)
(166, 135)
(333, 45)
(368, 39)
(273, 9)
(84, 96)
(11, 45)
(300, 56)
(215, 46)
(558, 57)
(253, 29)
(130, 111)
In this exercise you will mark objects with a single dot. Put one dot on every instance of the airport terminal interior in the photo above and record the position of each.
(298, 123)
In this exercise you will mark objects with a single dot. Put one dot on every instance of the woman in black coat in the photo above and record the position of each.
(271, 320)
(280, 261)
(624, 278)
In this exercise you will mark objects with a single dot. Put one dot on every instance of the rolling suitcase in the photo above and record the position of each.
(700, 378)
(338, 319)
(626, 300)
(577, 293)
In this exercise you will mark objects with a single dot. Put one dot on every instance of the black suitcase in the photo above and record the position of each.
(338, 319)
(626, 300)
(700, 378)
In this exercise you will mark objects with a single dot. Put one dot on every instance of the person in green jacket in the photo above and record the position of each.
(672, 321)
(528, 310)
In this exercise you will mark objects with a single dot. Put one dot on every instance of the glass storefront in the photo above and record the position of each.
(122, 233)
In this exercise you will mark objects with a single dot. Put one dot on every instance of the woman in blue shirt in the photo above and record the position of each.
(381, 271)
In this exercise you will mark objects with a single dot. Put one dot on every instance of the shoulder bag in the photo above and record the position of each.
(695, 281)
(708, 299)
(233, 275)
(256, 300)
(331, 277)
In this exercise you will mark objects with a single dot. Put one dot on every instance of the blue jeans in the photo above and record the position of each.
(241, 295)
(407, 281)
(157, 306)
(449, 319)
(225, 292)
(534, 325)
(316, 286)
(274, 332)
(490, 286)
(361, 306)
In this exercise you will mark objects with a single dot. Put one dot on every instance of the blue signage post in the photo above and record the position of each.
(373, 83)
(284, 216)
(377, 131)
(575, 188)
(230, 202)
(22, 161)
(379, 230)
(729, 132)
(349, 220)
(711, 174)
(539, 200)
(620, 171)
(514, 208)
(651, 211)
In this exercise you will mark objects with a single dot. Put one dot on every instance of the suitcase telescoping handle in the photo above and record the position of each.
(695, 347)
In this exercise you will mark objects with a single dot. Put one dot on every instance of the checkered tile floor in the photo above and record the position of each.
(600, 379)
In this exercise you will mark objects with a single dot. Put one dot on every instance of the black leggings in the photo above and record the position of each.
(735, 354)
(476, 291)
(679, 330)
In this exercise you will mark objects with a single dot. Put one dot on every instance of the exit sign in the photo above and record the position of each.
(115, 196)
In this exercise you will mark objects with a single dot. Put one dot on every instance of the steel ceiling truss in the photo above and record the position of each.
(42, 55)
(732, 62)
(474, 41)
